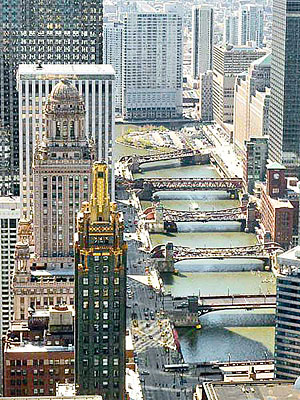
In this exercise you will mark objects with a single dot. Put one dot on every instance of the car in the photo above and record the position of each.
(150, 337)
(142, 380)
(146, 318)
(152, 317)
(130, 296)
(145, 373)
(147, 325)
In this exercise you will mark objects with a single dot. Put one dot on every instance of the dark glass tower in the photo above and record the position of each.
(100, 294)
(53, 32)
(284, 128)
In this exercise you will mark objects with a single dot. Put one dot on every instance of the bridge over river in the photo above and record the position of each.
(167, 255)
(146, 187)
(186, 157)
(161, 219)
(187, 310)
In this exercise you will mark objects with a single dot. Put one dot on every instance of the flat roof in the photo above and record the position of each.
(275, 390)
(34, 348)
(88, 397)
(52, 71)
(53, 272)
(290, 257)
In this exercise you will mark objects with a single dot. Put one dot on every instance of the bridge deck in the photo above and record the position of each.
(237, 301)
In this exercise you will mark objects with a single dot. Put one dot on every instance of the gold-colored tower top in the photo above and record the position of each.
(100, 201)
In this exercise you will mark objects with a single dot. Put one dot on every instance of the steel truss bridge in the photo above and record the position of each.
(230, 214)
(208, 304)
(134, 159)
(146, 187)
(180, 253)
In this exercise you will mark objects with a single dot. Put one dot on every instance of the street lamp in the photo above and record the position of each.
(229, 358)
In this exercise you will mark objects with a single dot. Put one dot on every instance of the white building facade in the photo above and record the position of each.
(251, 25)
(152, 65)
(9, 219)
(112, 54)
(202, 39)
(231, 23)
(95, 84)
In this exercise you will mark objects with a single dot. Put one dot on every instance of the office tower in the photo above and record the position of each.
(206, 94)
(152, 64)
(100, 294)
(112, 54)
(52, 32)
(95, 84)
(254, 162)
(231, 28)
(8, 179)
(61, 172)
(285, 83)
(202, 39)
(251, 102)
(228, 62)
(287, 329)
(9, 219)
(62, 169)
(251, 24)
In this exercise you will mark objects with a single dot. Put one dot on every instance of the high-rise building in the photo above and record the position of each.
(95, 84)
(205, 107)
(251, 102)
(8, 177)
(61, 182)
(9, 219)
(112, 54)
(228, 62)
(287, 330)
(251, 24)
(285, 83)
(152, 64)
(52, 32)
(231, 28)
(202, 39)
(100, 294)
(61, 173)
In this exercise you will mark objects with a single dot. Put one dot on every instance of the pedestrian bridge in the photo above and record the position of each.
(186, 157)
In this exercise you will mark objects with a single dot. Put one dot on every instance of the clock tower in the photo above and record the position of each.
(276, 182)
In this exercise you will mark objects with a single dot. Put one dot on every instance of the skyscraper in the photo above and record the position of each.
(95, 83)
(52, 32)
(112, 54)
(231, 28)
(287, 330)
(202, 44)
(251, 24)
(152, 64)
(100, 294)
(228, 62)
(284, 129)
(61, 182)
(61, 172)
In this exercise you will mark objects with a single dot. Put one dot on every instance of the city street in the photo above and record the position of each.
(152, 337)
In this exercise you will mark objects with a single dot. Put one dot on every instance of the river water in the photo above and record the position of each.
(239, 335)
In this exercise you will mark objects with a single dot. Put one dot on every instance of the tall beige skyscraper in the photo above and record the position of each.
(62, 170)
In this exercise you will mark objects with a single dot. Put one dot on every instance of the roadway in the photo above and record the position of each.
(153, 331)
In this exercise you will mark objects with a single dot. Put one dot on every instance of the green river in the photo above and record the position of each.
(239, 335)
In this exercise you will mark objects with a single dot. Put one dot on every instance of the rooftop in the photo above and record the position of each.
(264, 61)
(71, 71)
(265, 390)
(275, 165)
(35, 348)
